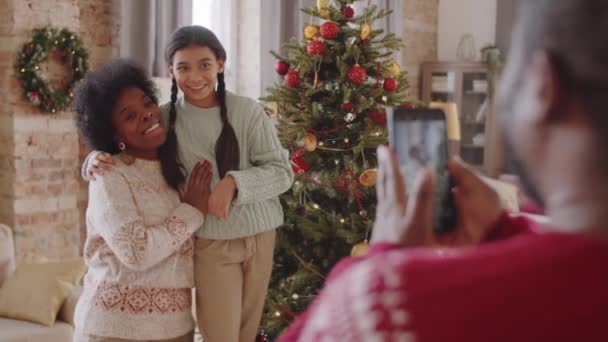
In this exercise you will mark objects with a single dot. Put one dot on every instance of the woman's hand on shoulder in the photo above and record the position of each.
(100, 164)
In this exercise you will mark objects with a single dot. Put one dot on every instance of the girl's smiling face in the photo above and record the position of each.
(195, 69)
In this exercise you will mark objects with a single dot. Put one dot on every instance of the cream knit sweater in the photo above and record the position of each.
(139, 250)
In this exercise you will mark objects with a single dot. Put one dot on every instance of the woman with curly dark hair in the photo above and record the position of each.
(139, 245)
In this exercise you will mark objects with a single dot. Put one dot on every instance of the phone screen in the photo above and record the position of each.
(419, 138)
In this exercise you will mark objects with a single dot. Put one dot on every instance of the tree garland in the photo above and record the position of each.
(62, 45)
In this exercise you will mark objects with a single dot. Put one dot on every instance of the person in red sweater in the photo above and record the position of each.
(497, 277)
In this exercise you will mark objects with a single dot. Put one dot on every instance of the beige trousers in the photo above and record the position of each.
(232, 279)
(189, 337)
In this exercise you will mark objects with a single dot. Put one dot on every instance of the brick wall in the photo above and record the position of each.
(99, 30)
(40, 153)
(420, 36)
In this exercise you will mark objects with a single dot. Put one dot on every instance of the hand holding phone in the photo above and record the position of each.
(419, 138)
(404, 216)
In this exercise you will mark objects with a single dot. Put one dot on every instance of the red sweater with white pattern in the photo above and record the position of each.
(521, 285)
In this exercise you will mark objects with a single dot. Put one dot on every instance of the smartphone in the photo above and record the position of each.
(420, 140)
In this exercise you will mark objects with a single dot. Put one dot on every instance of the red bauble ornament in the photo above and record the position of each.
(281, 67)
(315, 47)
(378, 117)
(390, 84)
(298, 165)
(357, 74)
(329, 30)
(348, 12)
(347, 106)
(292, 79)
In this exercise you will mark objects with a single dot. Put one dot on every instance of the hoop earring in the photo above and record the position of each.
(121, 146)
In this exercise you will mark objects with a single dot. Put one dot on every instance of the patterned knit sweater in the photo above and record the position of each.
(524, 284)
(139, 251)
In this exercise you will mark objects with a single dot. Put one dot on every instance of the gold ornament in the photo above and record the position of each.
(310, 142)
(311, 32)
(395, 69)
(274, 109)
(322, 7)
(322, 4)
(366, 31)
(368, 177)
(360, 249)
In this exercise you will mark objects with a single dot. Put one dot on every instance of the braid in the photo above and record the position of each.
(172, 169)
(227, 152)
(172, 110)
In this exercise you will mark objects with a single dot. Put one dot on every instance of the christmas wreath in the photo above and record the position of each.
(64, 47)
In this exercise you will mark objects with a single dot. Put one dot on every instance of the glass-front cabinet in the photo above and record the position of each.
(466, 85)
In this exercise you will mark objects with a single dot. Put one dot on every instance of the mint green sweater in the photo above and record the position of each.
(265, 171)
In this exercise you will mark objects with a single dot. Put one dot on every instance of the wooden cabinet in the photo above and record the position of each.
(467, 85)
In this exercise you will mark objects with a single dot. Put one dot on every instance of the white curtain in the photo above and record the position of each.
(145, 26)
(221, 17)
(280, 21)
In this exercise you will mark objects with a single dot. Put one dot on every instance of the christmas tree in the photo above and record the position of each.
(330, 111)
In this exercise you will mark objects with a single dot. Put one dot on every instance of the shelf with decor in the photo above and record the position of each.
(463, 87)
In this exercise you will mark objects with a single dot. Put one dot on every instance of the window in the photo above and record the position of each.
(202, 13)
(220, 17)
